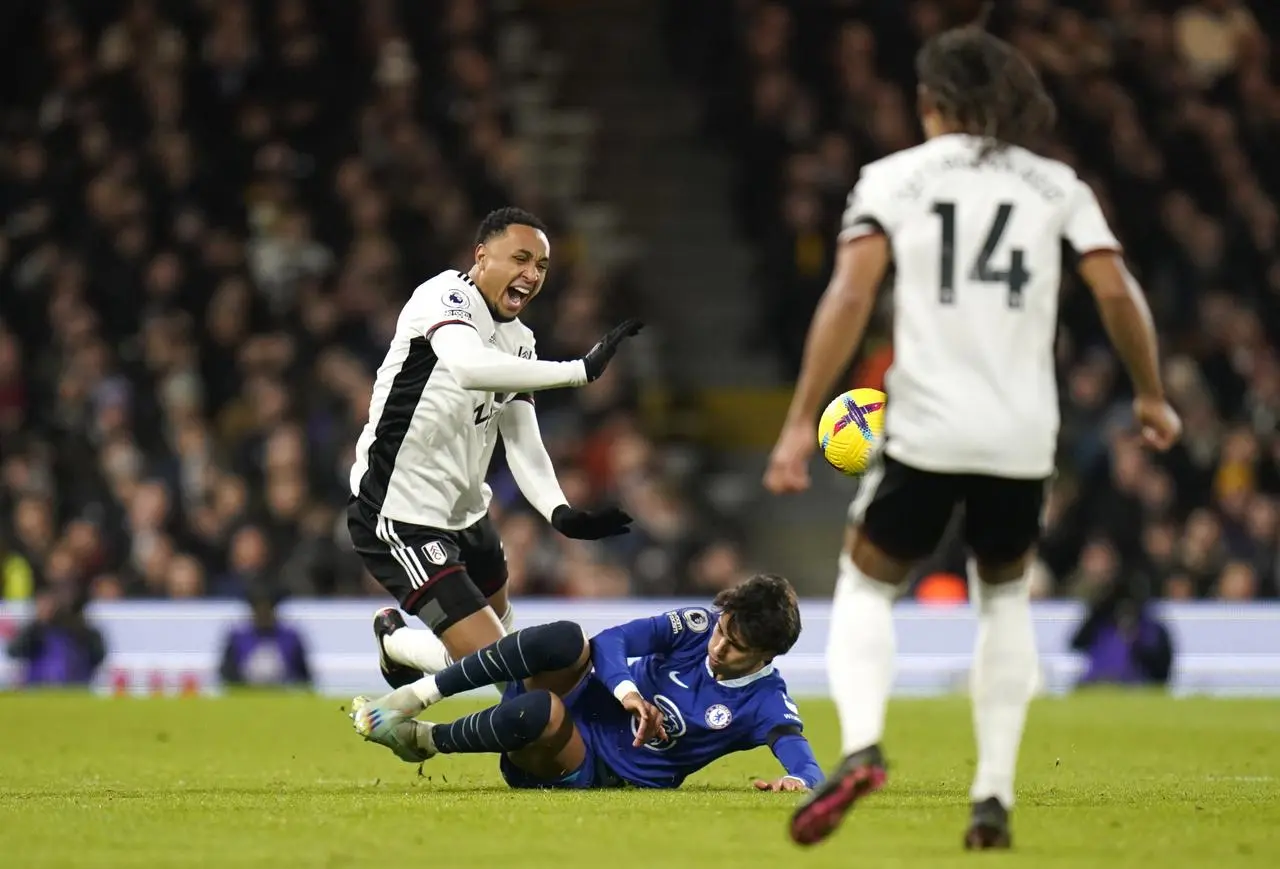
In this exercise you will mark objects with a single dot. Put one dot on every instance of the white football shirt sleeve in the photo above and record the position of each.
(1085, 228)
(527, 457)
(870, 208)
(476, 366)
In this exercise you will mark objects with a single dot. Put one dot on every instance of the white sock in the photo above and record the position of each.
(1002, 683)
(414, 697)
(425, 690)
(417, 648)
(423, 650)
(422, 737)
(860, 652)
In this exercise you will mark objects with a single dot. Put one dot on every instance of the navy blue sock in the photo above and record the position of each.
(509, 726)
(539, 649)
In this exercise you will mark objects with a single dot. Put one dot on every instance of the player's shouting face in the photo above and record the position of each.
(510, 269)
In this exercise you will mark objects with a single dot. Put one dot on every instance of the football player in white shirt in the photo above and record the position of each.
(460, 370)
(973, 223)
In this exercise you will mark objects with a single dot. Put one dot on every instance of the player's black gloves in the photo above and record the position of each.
(597, 358)
(582, 525)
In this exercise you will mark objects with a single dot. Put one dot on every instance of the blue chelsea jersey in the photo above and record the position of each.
(705, 719)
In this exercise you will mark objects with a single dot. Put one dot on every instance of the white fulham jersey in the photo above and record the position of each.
(977, 248)
(424, 452)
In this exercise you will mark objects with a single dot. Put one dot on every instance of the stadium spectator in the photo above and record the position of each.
(58, 646)
(1123, 641)
(214, 211)
(265, 652)
(1170, 110)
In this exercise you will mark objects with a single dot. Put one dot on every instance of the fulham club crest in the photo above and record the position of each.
(435, 552)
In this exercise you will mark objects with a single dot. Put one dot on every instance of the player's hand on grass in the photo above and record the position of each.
(598, 357)
(786, 783)
(648, 717)
(586, 525)
(788, 469)
(1158, 422)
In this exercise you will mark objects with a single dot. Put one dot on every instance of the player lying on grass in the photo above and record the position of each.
(575, 714)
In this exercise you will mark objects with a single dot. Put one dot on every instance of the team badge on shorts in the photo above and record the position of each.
(718, 716)
(456, 299)
(435, 552)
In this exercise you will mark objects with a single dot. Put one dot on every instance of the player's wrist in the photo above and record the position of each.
(624, 689)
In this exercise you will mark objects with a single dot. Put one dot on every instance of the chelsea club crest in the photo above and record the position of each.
(718, 716)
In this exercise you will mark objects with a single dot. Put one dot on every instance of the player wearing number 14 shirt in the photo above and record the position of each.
(974, 225)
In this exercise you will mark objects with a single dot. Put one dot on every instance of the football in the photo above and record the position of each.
(850, 430)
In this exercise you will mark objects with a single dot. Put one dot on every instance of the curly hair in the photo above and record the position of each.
(764, 611)
(986, 86)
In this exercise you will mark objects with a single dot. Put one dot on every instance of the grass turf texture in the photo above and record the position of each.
(277, 781)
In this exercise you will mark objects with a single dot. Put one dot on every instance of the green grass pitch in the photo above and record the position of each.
(282, 781)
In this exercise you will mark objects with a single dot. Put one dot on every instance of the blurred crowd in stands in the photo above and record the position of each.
(213, 210)
(1170, 109)
(212, 213)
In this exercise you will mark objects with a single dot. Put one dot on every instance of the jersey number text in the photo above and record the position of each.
(1015, 277)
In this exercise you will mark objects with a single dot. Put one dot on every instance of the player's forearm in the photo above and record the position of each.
(1127, 319)
(1128, 322)
(609, 660)
(493, 371)
(796, 756)
(527, 457)
(835, 333)
(611, 648)
(475, 366)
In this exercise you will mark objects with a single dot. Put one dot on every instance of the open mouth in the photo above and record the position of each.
(516, 296)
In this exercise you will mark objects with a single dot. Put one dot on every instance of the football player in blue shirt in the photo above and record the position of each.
(575, 714)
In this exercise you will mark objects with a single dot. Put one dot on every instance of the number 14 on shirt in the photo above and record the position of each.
(1015, 277)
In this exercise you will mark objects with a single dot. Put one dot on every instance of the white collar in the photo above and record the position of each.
(766, 670)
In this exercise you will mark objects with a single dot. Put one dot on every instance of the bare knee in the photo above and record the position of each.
(471, 634)
(499, 602)
(1000, 571)
(557, 749)
(584, 657)
(556, 715)
(871, 560)
(559, 725)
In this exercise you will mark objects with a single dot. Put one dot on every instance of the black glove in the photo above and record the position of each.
(597, 358)
(582, 525)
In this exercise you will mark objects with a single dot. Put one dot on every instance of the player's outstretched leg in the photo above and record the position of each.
(515, 657)
(1003, 679)
(534, 725)
(860, 657)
